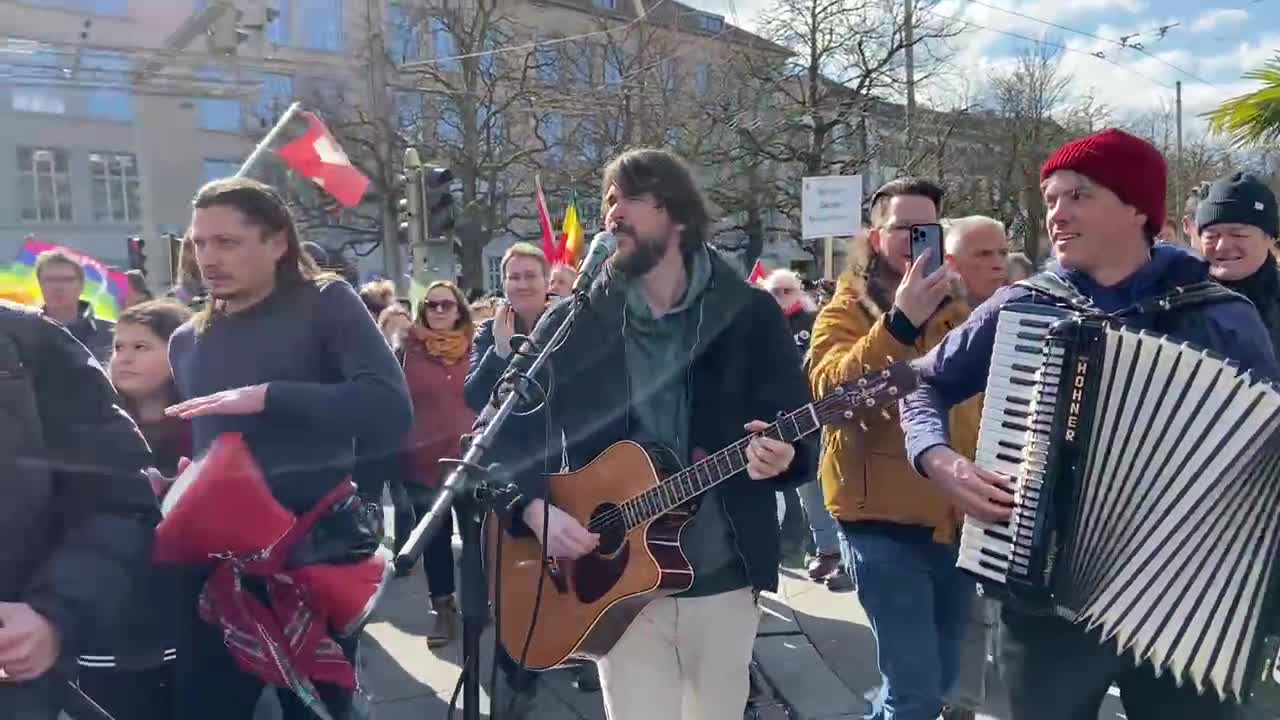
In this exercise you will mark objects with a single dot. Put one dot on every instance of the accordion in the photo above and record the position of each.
(1147, 501)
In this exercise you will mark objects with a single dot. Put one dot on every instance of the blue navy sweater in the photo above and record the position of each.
(956, 369)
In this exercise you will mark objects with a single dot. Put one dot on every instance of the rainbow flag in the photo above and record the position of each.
(104, 287)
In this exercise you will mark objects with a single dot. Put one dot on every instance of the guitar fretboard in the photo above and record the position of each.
(714, 469)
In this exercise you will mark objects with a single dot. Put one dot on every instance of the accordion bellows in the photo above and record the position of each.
(1148, 492)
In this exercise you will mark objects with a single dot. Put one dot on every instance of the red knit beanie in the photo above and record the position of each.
(1128, 166)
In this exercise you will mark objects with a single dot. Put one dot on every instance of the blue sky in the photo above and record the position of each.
(1211, 43)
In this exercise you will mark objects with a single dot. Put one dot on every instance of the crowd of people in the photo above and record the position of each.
(331, 385)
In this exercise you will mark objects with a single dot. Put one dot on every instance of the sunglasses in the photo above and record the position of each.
(441, 306)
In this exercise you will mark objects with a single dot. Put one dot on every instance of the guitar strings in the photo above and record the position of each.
(822, 408)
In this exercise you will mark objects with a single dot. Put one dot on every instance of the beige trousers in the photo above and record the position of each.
(683, 659)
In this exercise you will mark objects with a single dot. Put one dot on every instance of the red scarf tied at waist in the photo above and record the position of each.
(278, 617)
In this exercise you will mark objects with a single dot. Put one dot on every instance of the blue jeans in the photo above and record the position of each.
(826, 532)
(918, 603)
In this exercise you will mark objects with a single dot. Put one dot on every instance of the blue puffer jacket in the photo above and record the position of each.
(956, 369)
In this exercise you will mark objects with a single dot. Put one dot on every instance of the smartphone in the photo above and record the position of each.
(927, 237)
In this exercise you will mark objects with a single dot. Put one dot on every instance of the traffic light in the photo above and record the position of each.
(438, 201)
(137, 254)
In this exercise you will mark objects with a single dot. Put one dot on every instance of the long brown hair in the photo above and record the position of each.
(263, 208)
(666, 177)
(161, 318)
(464, 310)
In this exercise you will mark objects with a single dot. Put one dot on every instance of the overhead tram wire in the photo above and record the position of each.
(417, 64)
(1099, 38)
(1047, 43)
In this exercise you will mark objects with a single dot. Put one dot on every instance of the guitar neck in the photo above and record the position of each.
(715, 469)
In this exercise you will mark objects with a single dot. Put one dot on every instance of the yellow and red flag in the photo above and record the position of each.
(571, 235)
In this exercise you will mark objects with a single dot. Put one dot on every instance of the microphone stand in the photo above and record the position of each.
(472, 489)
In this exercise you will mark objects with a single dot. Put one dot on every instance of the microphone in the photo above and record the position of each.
(602, 246)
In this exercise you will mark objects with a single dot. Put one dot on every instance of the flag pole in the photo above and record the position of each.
(270, 138)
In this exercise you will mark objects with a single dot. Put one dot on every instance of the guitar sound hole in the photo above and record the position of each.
(607, 520)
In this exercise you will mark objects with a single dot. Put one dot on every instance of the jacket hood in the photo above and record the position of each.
(1170, 266)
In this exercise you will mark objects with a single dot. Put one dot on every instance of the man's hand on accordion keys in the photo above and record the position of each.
(981, 493)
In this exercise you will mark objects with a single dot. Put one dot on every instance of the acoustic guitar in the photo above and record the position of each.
(584, 605)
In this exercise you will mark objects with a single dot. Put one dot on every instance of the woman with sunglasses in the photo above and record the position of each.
(436, 348)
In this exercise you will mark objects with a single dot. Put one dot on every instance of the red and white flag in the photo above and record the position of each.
(549, 246)
(317, 156)
(758, 273)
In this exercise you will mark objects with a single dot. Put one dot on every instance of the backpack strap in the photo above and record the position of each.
(1058, 289)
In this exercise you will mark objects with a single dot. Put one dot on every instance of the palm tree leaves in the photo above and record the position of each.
(1252, 119)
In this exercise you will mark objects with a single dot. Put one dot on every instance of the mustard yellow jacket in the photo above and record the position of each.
(866, 474)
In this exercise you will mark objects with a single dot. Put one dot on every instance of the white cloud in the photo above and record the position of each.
(1219, 18)
(1245, 56)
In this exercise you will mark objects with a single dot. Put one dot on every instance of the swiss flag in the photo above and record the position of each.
(317, 156)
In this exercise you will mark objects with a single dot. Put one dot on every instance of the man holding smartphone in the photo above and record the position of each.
(900, 531)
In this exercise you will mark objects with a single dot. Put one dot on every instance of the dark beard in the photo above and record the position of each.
(643, 257)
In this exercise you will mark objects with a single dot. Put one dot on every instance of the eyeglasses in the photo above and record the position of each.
(441, 306)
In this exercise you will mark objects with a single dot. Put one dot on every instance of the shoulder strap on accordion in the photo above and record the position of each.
(1183, 296)
(1057, 288)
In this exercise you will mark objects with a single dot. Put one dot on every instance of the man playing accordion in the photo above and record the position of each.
(1105, 200)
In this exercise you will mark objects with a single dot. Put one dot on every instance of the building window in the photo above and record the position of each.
(613, 63)
(277, 94)
(41, 70)
(702, 78)
(494, 273)
(404, 39)
(408, 105)
(552, 133)
(39, 100)
(548, 59)
(112, 70)
(278, 31)
(449, 125)
(321, 24)
(667, 74)
(117, 8)
(711, 23)
(44, 185)
(215, 169)
(443, 45)
(218, 113)
(115, 187)
(605, 4)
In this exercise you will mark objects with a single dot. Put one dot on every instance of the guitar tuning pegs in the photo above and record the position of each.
(884, 413)
(862, 424)
(885, 373)
(848, 414)
(889, 358)
(893, 389)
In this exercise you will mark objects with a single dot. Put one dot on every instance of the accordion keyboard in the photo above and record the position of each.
(1011, 438)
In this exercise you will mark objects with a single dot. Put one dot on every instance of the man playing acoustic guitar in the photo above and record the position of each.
(673, 350)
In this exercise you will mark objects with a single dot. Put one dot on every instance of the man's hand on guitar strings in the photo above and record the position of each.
(766, 457)
(981, 493)
(564, 537)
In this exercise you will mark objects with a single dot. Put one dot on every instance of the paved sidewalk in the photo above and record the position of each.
(835, 628)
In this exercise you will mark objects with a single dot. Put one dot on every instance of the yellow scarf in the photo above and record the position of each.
(449, 346)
